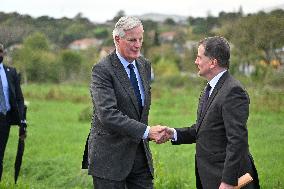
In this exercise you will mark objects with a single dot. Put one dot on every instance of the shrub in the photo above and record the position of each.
(86, 114)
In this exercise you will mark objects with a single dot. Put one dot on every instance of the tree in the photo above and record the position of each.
(35, 60)
(270, 34)
(118, 15)
(71, 62)
(101, 33)
(259, 33)
(73, 32)
(170, 21)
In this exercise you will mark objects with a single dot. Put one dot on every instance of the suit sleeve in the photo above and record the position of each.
(19, 94)
(186, 135)
(235, 114)
(105, 102)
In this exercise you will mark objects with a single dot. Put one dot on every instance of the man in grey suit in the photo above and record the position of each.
(220, 132)
(118, 149)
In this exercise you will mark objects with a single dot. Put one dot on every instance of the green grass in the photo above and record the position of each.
(56, 138)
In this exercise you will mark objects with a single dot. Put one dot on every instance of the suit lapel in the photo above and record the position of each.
(9, 80)
(211, 98)
(124, 80)
(143, 75)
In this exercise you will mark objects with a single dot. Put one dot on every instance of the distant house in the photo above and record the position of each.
(167, 36)
(82, 44)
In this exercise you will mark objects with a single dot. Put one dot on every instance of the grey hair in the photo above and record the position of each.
(125, 23)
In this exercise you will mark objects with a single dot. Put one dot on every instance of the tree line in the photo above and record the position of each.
(44, 56)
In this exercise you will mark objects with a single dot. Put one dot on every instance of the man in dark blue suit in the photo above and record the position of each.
(220, 131)
(11, 105)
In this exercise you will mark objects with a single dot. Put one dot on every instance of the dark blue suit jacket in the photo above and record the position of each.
(15, 96)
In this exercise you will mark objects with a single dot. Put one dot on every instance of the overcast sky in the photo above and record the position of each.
(102, 10)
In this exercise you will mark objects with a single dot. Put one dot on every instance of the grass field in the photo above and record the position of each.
(56, 137)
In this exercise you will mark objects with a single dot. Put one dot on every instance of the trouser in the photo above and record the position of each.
(4, 135)
(139, 177)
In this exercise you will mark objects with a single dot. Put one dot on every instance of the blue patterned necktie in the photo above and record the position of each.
(134, 83)
(3, 107)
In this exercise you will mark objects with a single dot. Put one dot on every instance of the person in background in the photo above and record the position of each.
(118, 150)
(11, 105)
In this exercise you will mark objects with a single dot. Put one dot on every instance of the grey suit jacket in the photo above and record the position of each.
(221, 137)
(117, 124)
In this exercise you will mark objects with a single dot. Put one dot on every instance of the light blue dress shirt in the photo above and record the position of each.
(141, 88)
(5, 86)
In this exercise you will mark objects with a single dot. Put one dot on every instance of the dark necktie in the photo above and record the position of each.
(135, 86)
(3, 107)
(205, 97)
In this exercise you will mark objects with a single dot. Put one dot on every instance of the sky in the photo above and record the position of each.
(102, 10)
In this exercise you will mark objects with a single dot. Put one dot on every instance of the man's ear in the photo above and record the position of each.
(116, 38)
(214, 63)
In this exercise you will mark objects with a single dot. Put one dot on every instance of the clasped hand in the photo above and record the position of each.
(160, 134)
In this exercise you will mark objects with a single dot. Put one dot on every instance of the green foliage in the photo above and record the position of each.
(101, 33)
(203, 26)
(176, 81)
(170, 21)
(71, 62)
(165, 68)
(40, 57)
(163, 52)
(73, 32)
(35, 60)
(119, 14)
(56, 137)
(15, 27)
(73, 93)
(86, 114)
(256, 37)
(37, 41)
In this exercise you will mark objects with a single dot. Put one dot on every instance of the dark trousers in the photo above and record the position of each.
(4, 135)
(253, 185)
(139, 177)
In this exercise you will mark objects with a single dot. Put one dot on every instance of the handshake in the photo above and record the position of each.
(160, 134)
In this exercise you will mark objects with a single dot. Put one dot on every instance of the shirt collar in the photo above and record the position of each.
(213, 82)
(1, 66)
(123, 61)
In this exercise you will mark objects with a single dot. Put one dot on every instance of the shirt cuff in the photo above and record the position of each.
(175, 135)
(146, 133)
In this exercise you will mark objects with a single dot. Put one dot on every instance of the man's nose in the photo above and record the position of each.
(137, 43)
(196, 62)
